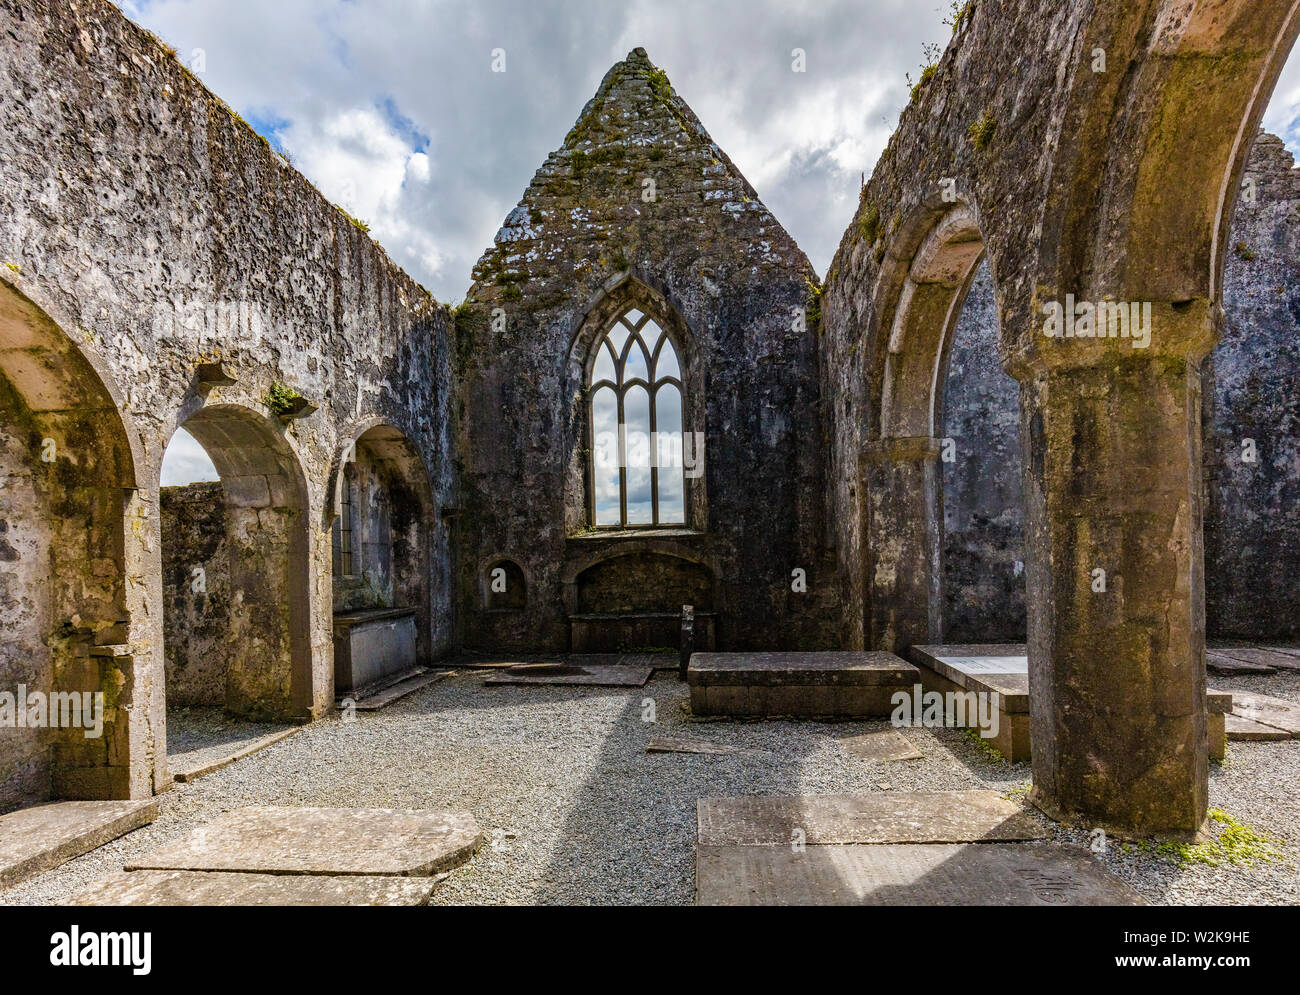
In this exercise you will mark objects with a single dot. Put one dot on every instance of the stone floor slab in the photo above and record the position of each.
(1260, 657)
(1241, 730)
(1216, 662)
(597, 675)
(36, 839)
(395, 692)
(666, 744)
(1276, 712)
(326, 841)
(164, 888)
(886, 745)
(1037, 874)
(879, 817)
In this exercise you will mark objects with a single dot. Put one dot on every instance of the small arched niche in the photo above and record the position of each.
(504, 586)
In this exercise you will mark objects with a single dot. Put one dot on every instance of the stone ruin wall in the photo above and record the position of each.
(196, 616)
(159, 232)
(581, 241)
(1252, 391)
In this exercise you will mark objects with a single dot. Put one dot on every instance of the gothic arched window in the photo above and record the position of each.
(635, 395)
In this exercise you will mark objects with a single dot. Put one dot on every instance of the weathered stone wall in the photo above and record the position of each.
(711, 264)
(25, 659)
(983, 515)
(153, 229)
(196, 609)
(1252, 391)
(1252, 520)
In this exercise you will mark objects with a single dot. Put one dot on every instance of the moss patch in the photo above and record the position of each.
(280, 398)
(1233, 843)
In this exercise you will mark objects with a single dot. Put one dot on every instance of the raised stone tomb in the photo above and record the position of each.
(1003, 668)
(837, 684)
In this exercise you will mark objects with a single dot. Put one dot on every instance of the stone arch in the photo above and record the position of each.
(266, 561)
(75, 568)
(616, 297)
(515, 596)
(922, 287)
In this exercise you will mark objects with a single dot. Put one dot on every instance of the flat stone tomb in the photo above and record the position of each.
(985, 668)
(615, 675)
(840, 684)
(1034, 874)
(36, 839)
(878, 817)
(323, 841)
(162, 888)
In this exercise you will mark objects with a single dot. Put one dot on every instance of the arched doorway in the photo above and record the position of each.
(69, 659)
(382, 534)
(237, 573)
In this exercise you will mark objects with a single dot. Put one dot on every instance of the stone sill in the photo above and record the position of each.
(638, 532)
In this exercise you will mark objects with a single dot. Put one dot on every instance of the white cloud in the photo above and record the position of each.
(392, 108)
(186, 462)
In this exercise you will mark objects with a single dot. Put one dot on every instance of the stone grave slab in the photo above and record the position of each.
(325, 841)
(395, 692)
(1035, 874)
(667, 744)
(1276, 712)
(590, 675)
(1217, 662)
(1260, 657)
(831, 684)
(1288, 650)
(1247, 731)
(164, 888)
(36, 839)
(878, 817)
(885, 745)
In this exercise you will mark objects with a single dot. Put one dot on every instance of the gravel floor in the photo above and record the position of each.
(574, 811)
(197, 737)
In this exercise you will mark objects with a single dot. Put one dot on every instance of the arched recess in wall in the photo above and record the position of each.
(238, 573)
(382, 520)
(631, 595)
(503, 585)
(924, 281)
(655, 353)
(67, 491)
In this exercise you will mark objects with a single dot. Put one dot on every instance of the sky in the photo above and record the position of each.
(393, 110)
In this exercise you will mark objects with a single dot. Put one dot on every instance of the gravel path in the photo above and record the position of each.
(574, 811)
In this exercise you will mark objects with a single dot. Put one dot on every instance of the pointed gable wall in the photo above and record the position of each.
(640, 203)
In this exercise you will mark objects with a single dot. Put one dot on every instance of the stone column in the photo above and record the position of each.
(1112, 456)
(904, 578)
